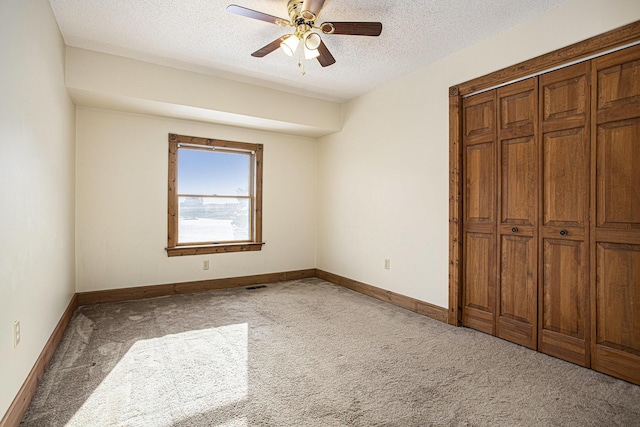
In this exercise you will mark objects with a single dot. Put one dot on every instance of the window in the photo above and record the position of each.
(215, 196)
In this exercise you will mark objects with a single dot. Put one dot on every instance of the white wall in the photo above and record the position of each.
(383, 180)
(37, 126)
(122, 203)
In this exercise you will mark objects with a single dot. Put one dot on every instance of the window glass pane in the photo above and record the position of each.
(212, 219)
(213, 173)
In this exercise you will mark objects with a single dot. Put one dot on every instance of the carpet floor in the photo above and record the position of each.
(307, 353)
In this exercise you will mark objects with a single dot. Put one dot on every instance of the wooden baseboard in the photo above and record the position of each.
(21, 402)
(412, 304)
(124, 294)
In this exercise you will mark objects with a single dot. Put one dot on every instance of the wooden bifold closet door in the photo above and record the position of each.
(551, 213)
(564, 208)
(500, 212)
(517, 197)
(479, 238)
(615, 241)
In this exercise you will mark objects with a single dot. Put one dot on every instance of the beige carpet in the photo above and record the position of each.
(307, 353)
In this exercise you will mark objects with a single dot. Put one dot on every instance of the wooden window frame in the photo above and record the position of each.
(579, 51)
(255, 244)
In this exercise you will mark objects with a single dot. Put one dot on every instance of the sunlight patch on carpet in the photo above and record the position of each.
(163, 380)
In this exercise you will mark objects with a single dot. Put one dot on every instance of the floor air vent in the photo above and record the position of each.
(256, 287)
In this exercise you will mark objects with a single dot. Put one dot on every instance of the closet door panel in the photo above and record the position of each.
(566, 177)
(618, 152)
(518, 201)
(616, 235)
(617, 349)
(564, 98)
(619, 308)
(563, 297)
(479, 282)
(563, 311)
(617, 82)
(480, 179)
(479, 117)
(518, 290)
(519, 181)
(479, 222)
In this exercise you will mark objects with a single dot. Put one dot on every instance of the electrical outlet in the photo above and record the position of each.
(387, 264)
(16, 333)
(205, 264)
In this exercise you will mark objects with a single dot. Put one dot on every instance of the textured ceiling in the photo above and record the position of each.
(199, 35)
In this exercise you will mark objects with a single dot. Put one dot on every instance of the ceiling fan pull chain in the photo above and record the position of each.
(301, 61)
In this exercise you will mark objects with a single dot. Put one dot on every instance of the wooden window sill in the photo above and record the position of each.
(214, 249)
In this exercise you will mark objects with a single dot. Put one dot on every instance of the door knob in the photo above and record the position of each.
(514, 230)
(563, 232)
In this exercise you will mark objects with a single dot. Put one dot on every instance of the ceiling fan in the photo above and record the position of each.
(303, 15)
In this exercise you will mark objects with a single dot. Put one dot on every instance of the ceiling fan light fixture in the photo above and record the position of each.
(311, 53)
(312, 40)
(290, 45)
(307, 15)
(327, 28)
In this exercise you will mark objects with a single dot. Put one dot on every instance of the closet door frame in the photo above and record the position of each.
(591, 47)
